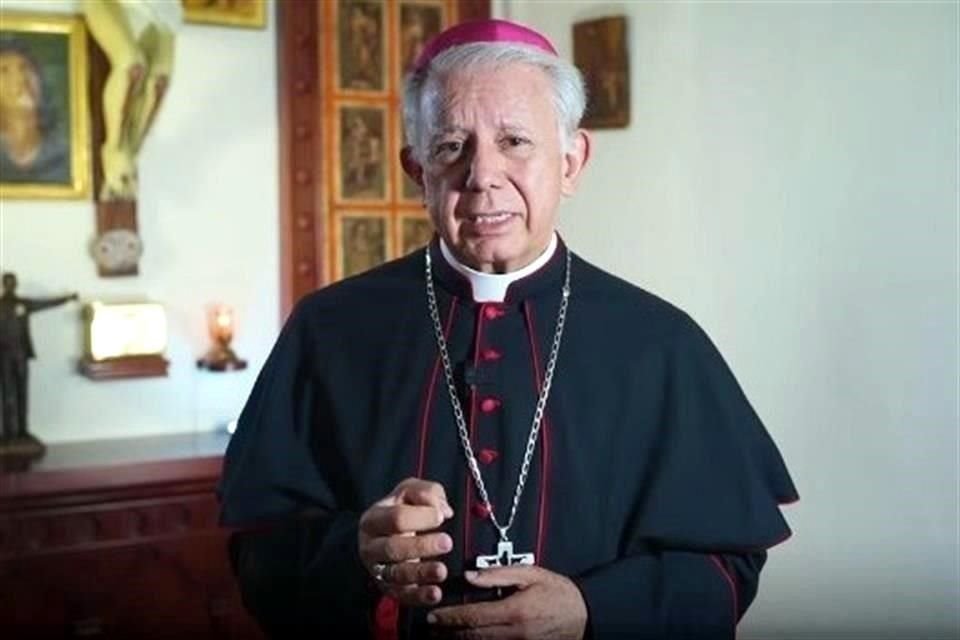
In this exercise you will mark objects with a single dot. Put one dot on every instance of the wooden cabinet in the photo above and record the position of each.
(118, 539)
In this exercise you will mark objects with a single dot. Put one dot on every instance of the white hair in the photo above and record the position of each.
(421, 90)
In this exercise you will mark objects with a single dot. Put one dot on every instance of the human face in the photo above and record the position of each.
(19, 85)
(494, 166)
(9, 283)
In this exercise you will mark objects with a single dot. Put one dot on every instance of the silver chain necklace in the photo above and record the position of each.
(504, 555)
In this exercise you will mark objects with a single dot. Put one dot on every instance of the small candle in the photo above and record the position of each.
(222, 325)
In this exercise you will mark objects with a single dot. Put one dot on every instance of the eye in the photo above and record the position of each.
(514, 141)
(447, 148)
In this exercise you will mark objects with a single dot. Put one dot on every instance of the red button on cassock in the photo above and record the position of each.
(492, 313)
(489, 405)
(491, 354)
(486, 456)
(481, 510)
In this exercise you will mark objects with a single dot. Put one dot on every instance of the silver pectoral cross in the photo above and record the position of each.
(504, 557)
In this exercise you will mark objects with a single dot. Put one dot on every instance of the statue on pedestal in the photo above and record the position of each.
(16, 349)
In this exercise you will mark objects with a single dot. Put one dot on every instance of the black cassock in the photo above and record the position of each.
(654, 485)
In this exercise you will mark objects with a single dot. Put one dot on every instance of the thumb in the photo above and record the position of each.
(416, 491)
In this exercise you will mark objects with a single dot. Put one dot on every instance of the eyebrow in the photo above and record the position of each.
(504, 127)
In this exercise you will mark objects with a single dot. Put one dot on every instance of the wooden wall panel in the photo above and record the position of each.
(308, 103)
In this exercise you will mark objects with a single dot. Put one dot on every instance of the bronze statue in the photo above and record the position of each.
(16, 349)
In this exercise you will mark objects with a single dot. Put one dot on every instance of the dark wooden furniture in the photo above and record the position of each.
(118, 539)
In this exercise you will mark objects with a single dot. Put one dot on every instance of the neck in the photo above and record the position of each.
(492, 287)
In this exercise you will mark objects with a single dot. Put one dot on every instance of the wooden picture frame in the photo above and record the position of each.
(311, 91)
(363, 241)
(600, 52)
(363, 153)
(362, 55)
(414, 231)
(251, 14)
(418, 21)
(45, 83)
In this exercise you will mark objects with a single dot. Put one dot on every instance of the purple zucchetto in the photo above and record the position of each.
(481, 31)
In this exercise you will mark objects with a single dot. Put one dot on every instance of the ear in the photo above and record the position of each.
(410, 165)
(574, 160)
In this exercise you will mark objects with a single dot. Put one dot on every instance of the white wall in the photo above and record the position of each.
(208, 216)
(790, 178)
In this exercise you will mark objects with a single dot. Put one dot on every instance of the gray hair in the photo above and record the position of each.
(421, 89)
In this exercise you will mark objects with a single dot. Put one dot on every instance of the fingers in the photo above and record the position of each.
(415, 491)
(516, 576)
(415, 596)
(415, 573)
(482, 614)
(395, 549)
(393, 533)
(391, 520)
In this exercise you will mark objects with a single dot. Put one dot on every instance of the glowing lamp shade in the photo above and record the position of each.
(221, 323)
(126, 329)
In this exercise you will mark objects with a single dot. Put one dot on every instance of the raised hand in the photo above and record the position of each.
(396, 537)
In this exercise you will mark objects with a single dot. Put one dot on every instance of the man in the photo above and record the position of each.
(16, 350)
(496, 400)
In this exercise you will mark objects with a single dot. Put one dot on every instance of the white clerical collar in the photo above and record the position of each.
(492, 287)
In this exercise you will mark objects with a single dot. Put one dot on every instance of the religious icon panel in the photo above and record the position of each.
(45, 150)
(363, 242)
(419, 22)
(362, 145)
(361, 46)
(600, 52)
(416, 231)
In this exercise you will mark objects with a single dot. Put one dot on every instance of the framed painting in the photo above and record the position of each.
(44, 111)
(361, 46)
(231, 13)
(362, 153)
(363, 241)
(415, 232)
(600, 52)
(419, 21)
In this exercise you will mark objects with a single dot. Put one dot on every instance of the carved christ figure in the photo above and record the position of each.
(138, 38)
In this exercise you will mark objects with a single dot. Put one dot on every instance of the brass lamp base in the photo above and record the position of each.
(221, 358)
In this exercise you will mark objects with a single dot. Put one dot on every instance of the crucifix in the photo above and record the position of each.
(504, 557)
(131, 59)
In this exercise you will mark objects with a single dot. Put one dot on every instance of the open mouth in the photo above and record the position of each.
(489, 218)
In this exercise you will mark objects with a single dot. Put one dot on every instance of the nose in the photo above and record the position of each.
(485, 169)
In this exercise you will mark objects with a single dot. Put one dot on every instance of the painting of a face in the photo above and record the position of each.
(19, 83)
(34, 109)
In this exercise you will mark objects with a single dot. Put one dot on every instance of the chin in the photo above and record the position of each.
(496, 256)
